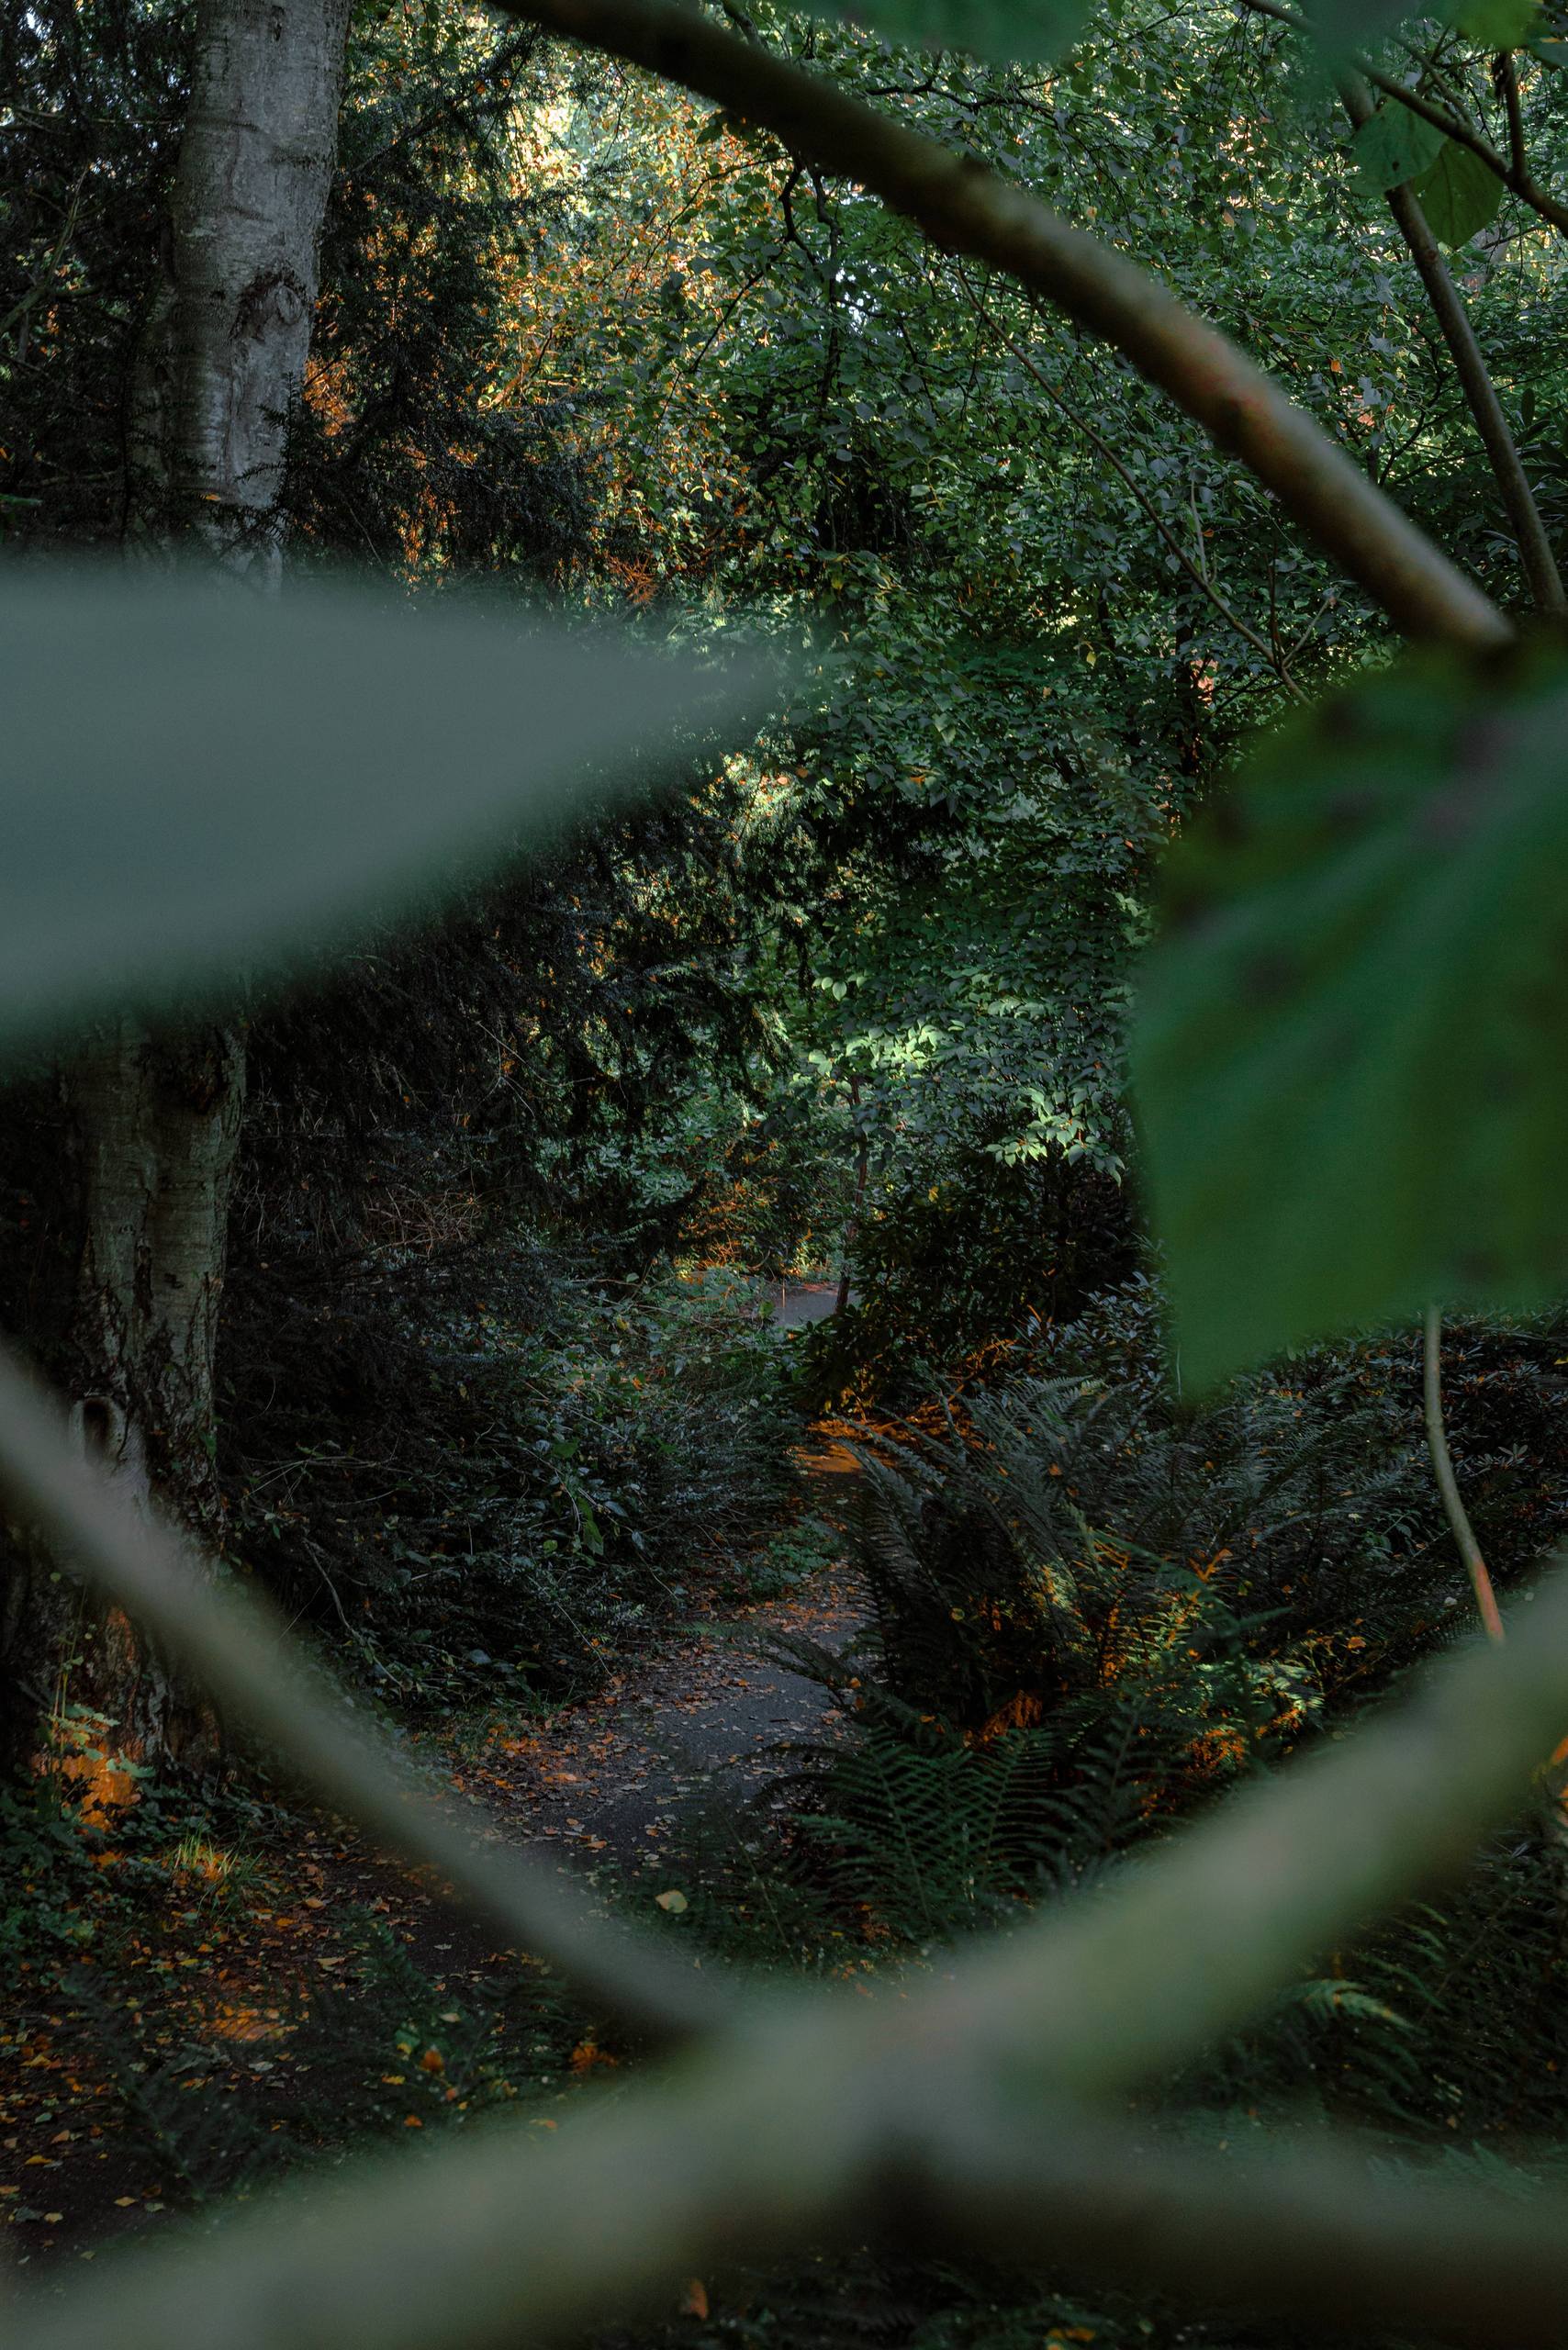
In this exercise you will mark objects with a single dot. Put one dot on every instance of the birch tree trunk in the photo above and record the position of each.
(223, 360)
(143, 1125)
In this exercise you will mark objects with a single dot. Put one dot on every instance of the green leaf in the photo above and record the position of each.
(1393, 147)
(1499, 24)
(1457, 194)
(1350, 1061)
(1343, 26)
(1036, 30)
(194, 781)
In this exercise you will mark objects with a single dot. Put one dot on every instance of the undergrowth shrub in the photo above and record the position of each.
(482, 1473)
(1444, 2026)
(46, 1875)
(77, 1805)
(380, 2049)
(916, 1839)
(779, 1197)
(875, 2299)
(1094, 1604)
(950, 1268)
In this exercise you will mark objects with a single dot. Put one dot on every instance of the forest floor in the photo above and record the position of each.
(690, 1733)
(256, 1995)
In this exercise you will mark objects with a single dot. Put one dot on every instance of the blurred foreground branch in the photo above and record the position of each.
(953, 2106)
(839, 2123)
(237, 1648)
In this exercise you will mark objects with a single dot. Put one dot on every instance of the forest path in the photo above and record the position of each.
(688, 1734)
(624, 1787)
(656, 1770)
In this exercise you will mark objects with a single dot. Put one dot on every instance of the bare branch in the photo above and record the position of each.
(1447, 1483)
(1474, 378)
(1508, 83)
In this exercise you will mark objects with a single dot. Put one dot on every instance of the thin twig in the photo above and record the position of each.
(1447, 1483)
(965, 209)
(1453, 126)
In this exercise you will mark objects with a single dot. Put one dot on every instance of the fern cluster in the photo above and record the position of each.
(1093, 1607)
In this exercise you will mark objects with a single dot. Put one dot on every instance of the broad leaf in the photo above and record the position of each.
(1393, 147)
(1351, 1056)
(1345, 28)
(1499, 24)
(1457, 194)
(192, 780)
(1034, 30)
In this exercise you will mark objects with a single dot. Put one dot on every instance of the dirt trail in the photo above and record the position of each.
(798, 1303)
(692, 1727)
(613, 1786)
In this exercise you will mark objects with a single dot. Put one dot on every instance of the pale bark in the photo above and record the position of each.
(223, 360)
(151, 1120)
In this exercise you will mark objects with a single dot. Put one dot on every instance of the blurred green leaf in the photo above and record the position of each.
(1499, 24)
(1393, 147)
(1344, 26)
(1030, 29)
(1349, 1061)
(1457, 194)
(194, 780)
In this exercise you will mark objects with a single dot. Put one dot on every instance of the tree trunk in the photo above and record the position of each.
(131, 1212)
(223, 360)
(852, 1224)
(133, 1178)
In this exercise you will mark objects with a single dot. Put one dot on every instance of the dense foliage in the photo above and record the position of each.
(502, 1405)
